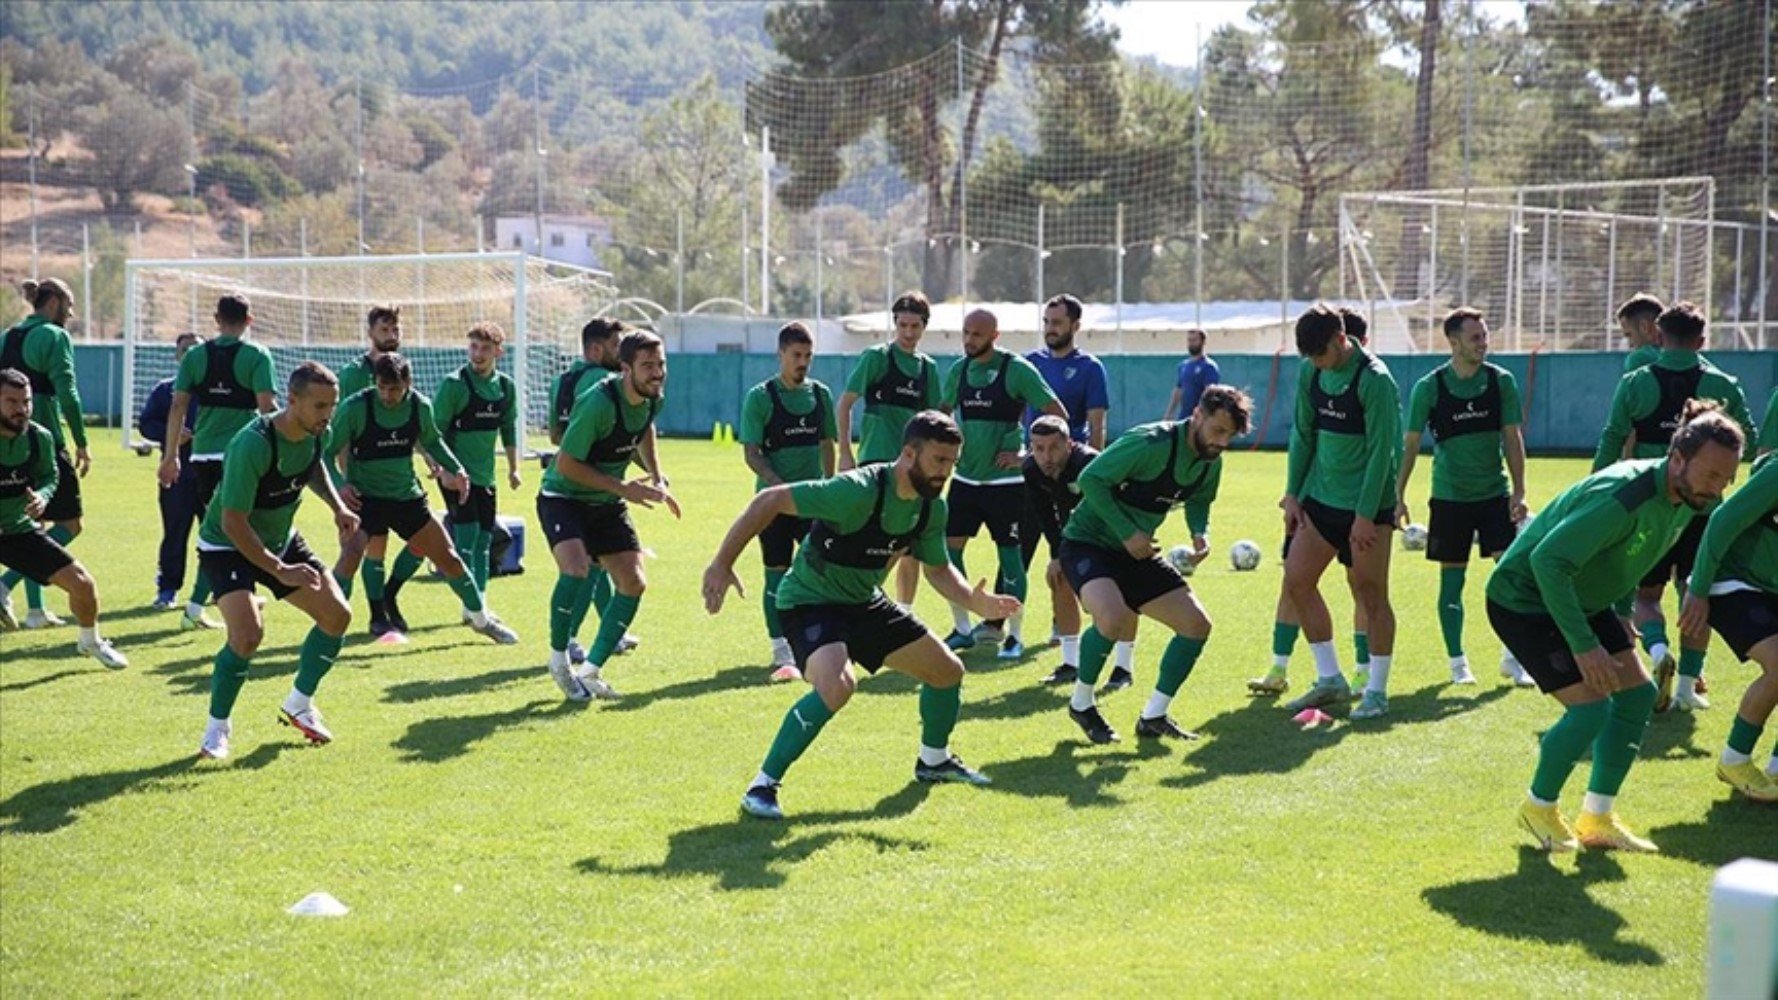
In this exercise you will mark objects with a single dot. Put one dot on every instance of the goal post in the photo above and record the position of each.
(314, 308)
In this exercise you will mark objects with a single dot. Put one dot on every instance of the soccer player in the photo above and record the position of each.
(1196, 373)
(833, 608)
(1052, 491)
(1344, 449)
(1734, 589)
(1645, 410)
(28, 482)
(1550, 602)
(375, 436)
(249, 538)
(1636, 318)
(895, 380)
(988, 390)
(1473, 408)
(1112, 561)
(1076, 378)
(39, 348)
(230, 380)
(787, 436)
(583, 507)
(179, 506)
(475, 405)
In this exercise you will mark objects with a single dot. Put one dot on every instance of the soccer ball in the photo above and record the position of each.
(1180, 558)
(1413, 538)
(1244, 556)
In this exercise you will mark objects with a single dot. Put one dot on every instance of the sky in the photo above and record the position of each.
(1169, 29)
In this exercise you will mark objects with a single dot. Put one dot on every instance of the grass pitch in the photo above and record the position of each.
(491, 839)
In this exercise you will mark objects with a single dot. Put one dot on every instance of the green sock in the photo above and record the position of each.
(33, 596)
(1284, 638)
(1691, 662)
(1563, 745)
(1361, 650)
(406, 565)
(463, 537)
(345, 583)
(10, 579)
(600, 592)
(226, 677)
(939, 708)
(1094, 648)
(769, 603)
(1177, 662)
(612, 625)
(1012, 571)
(463, 585)
(1614, 751)
(200, 589)
(482, 568)
(1744, 735)
(318, 653)
(562, 602)
(373, 579)
(801, 725)
(1450, 607)
(1653, 634)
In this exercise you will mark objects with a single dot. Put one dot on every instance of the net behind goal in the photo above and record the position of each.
(314, 308)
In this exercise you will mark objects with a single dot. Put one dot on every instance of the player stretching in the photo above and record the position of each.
(834, 610)
(1550, 601)
(787, 436)
(1112, 561)
(475, 405)
(1052, 491)
(248, 537)
(1473, 407)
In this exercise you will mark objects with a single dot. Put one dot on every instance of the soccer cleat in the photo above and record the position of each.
(1461, 674)
(1666, 672)
(761, 801)
(1324, 692)
(496, 630)
(215, 744)
(626, 644)
(1162, 727)
(957, 642)
(1120, 679)
(782, 656)
(1093, 725)
(1749, 780)
(1608, 833)
(785, 673)
(1371, 705)
(1546, 826)
(952, 771)
(576, 652)
(568, 681)
(166, 600)
(467, 616)
(595, 684)
(1011, 649)
(1067, 673)
(988, 632)
(396, 618)
(379, 627)
(1693, 702)
(1513, 670)
(1275, 682)
(42, 618)
(307, 722)
(8, 622)
(1361, 678)
(103, 651)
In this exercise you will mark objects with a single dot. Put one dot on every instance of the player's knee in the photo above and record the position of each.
(79, 584)
(1117, 624)
(949, 673)
(335, 618)
(245, 640)
(835, 688)
(451, 565)
(1198, 628)
(72, 527)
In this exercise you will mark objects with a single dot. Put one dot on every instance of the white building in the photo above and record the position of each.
(570, 239)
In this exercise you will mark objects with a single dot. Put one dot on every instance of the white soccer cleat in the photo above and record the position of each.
(1690, 701)
(594, 683)
(189, 623)
(781, 654)
(628, 642)
(1460, 672)
(307, 722)
(1513, 670)
(563, 674)
(103, 651)
(42, 618)
(496, 630)
(215, 745)
(8, 622)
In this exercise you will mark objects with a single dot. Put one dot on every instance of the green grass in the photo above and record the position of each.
(491, 839)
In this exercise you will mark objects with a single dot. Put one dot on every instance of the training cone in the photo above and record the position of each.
(392, 639)
(716, 432)
(1309, 718)
(318, 904)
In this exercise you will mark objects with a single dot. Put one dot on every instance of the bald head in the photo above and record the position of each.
(981, 329)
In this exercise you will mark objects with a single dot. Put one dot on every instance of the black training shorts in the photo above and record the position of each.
(1334, 525)
(34, 554)
(1139, 580)
(403, 517)
(229, 571)
(64, 504)
(1455, 524)
(1744, 618)
(1676, 565)
(872, 632)
(777, 544)
(1539, 646)
(604, 528)
(478, 510)
(971, 505)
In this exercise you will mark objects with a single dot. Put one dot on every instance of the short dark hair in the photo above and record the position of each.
(1455, 319)
(232, 308)
(915, 303)
(1049, 425)
(489, 331)
(186, 336)
(1682, 324)
(12, 378)
(392, 367)
(1641, 306)
(1069, 304)
(1702, 420)
(601, 329)
(1353, 322)
(794, 332)
(43, 291)
(931, 425)
(315, 373)
(378, 314)
(1230, 400)
(1316, 328)
(636, 342)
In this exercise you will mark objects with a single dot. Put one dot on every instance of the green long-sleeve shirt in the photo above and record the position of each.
(388, 478)
(464, 390)
(48, 349)
(1741, 541)
(1353, 472)
(1590, 546)
(17, 468)
(881, 426)
(1639, 356)
(1639, 393)
(1140, 455)
(1768, 427)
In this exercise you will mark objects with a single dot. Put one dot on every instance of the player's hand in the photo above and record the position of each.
(1597, 669)
(83, 462)
(717, 581)
(1402, 517)
(349, 496)
(513, 479)
(1293, 514)
(347, 523)
(1052, 574)
(1363, 534)
(1200, 549)
(1008, 460)
(1519, 510)
(455, 483)
(645, 494)
(300, 576)
(34, 504)
(986, 605)
(1141, 545)
(184, 436)
(1694, 615)
(169, 470)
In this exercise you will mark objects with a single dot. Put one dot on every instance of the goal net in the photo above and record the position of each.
(314, 308)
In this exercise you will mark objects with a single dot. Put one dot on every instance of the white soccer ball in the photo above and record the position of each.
(1180, 558)
(1245, 555)
(1413, 538)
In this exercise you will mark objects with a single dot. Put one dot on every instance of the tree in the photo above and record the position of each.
(136, 145)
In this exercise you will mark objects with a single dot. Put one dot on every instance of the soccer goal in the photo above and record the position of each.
(314, 308)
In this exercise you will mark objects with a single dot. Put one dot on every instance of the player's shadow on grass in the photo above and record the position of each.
(1019, 703)
(735, 678)
(747, 853)
(23, 685)
(1069, 772)
(1735, 827)
(408, 692)
(432, 741)
(1541, 902)
(55, 804)
(1670, 736)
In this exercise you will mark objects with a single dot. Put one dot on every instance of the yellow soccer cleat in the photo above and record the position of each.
(1749, 780)
(1275, 682)
(1546, 826)
(1666, 672)
(1608, 833)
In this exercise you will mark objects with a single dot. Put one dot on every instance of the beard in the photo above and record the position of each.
(1196, 352)
(928, 487)
(1206, 451)
(387, 346)
(650, 390)
(1691, 498)
(14, 426)
(1059, 341)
